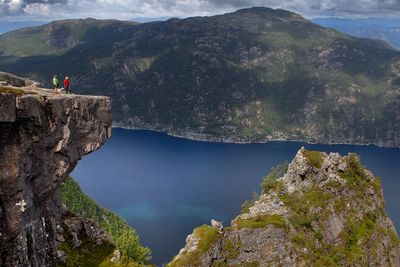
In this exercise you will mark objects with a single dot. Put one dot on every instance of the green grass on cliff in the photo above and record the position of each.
(311, 210)
(262, 221)
(306, 207)
(88, 254)
(314, 158)
(125, 238)
(354, 173)
(207, 236)
(12, 90)
(270, 181)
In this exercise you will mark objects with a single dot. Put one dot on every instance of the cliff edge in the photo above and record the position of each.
(319, 210)
(42, 136)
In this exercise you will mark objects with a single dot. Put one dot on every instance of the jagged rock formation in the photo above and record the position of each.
(42, 136)
(253, 75)
(326, 210)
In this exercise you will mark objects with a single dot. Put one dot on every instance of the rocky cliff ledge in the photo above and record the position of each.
(320, 210)
(42, 136)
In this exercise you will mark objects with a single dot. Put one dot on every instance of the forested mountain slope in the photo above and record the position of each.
(253, 75)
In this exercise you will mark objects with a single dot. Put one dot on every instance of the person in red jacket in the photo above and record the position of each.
(66, 85)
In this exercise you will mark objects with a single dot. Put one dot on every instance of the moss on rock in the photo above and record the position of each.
(261, 221)
(206, 236)
(314, 158)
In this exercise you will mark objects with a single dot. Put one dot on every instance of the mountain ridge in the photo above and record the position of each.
(381, 29)
(253, 75)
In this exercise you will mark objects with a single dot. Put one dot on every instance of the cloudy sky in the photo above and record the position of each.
(128, 9)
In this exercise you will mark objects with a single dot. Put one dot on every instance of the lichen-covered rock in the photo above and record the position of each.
(326, 210)
(38, 149)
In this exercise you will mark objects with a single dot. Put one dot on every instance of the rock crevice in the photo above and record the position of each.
(42, 136)
(322, 210)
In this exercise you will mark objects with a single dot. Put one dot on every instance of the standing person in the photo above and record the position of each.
(55, 83)
(66, 85)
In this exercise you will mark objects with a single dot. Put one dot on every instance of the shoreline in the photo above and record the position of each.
(234, 140)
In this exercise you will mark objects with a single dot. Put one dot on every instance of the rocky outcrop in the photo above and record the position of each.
(325, 210)
(13, 80)
(42, 136)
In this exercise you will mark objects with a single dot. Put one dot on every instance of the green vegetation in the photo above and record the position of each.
(306, 207)
(88, 254)
(270, 181)
(12, 90)
(210, 88)
(125, 238)
(308, 222)
(207, 235)
(314, 158)
(357, 180)
(350, 252)
(358, 232)
(310, 212)
(248, 203)
(262, 221)
(354, 173)
(393, 237)
(231, 249)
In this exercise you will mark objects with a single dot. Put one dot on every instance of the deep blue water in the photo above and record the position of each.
(165, 186)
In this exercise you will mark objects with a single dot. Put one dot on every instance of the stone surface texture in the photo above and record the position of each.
(42, 137)
(311, 244)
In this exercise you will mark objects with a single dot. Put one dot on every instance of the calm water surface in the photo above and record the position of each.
(165, 186)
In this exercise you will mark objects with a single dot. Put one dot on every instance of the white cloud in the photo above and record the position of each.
(11, 7)
(37, 9)
(126, 9)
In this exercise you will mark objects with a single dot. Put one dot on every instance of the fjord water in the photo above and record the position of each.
(166, 186)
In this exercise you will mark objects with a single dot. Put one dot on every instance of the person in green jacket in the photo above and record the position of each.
(55, 83)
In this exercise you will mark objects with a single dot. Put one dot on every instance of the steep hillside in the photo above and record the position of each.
(320, 210)
(125, 238)
(253, 75)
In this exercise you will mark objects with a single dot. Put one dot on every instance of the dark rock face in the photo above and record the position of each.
(326, 210)
(7, 107)
(41, 140)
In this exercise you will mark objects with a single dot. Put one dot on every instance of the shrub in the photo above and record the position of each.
(303, 206)
(270, 181)
(314, 158)
(354, 173)
(125, 238)
(248, 203)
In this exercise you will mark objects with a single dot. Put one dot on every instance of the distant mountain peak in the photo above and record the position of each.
(269, 11)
